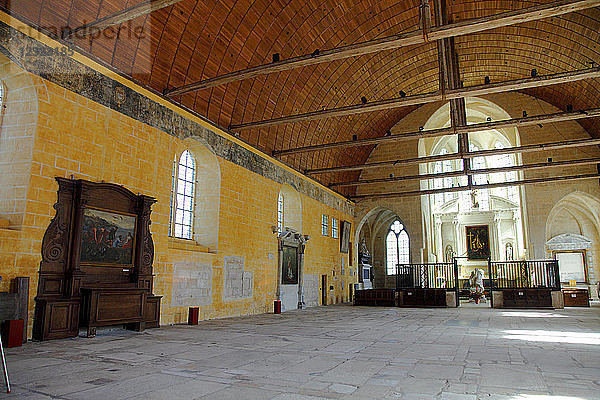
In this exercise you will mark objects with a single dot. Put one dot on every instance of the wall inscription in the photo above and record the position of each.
(192, 285)
(238, 284)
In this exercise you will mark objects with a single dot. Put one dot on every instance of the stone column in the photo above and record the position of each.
(439, 245)
(496, 238)
(301, 303)
(279, 269)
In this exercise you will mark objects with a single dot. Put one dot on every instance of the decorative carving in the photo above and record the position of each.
(62, 277)
(148, 256)
(53, 244)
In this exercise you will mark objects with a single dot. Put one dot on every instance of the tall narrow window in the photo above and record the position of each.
(324, 225)
(334, 228)
(184, 206)
(173, 186)
(280, 203)
(397, 246)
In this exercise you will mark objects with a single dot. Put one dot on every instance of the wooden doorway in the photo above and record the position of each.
(324, 290)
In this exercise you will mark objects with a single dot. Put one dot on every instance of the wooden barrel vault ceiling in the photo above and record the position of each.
(193, 40)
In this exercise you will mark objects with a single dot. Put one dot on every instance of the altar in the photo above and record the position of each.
(96, 268)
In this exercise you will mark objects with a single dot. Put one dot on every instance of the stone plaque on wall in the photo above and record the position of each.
(238, 284)
(311, 290)
(192, 284)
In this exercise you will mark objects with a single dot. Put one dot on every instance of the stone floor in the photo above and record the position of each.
(336, 352)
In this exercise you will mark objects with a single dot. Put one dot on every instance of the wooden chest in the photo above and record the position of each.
(576, 297)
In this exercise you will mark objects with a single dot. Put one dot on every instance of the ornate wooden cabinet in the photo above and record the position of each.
(96, 267)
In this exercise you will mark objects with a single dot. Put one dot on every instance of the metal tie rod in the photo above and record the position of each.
(4, 367)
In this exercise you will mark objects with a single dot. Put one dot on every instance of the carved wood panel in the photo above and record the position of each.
(63, 275)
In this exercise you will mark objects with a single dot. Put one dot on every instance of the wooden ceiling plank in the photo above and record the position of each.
(117, 18)
(553, 9)
(455, 156)
(478, 90)
(510, 123)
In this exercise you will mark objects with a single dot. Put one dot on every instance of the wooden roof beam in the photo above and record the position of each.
(509, 123)
(580, 162)
(455, 156)
(117, 18)
(473, 187)
(381, 105)
(553, 9)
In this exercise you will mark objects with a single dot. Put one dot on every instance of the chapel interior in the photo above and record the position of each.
(174, 162)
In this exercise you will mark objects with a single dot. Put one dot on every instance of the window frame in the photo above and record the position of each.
(399, 248)
(324, 225)
(181, 176)
(280, 212)
(334, 228)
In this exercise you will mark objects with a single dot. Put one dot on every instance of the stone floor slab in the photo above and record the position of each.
(335, 352)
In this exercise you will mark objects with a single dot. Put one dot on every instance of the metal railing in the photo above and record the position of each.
(427, 276)
(524, 274)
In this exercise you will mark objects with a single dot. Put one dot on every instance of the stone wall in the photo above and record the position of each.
(80, 135)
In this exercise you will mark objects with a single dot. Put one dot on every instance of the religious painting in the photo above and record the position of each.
(289, 265)
(478, 242)
(345, 237)
(107, 238)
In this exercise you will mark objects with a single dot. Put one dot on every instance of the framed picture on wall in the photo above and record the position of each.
(289, 265)
(107, 238)
(478, 242)
(345, 237)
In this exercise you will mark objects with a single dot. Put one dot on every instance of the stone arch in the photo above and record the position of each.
(578, 213)
(17, 136)
(292, 208)
(435, 210)
(574, 221)
(207, 195)
(374, 227)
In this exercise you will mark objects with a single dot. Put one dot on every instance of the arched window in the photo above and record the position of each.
(448, 182)
(397, 245)
(504, 160)
(280, 205)
(184, 199)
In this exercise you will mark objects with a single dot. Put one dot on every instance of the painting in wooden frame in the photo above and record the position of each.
(345, 237)
(478, 242)
(107, 238)
(289, 265)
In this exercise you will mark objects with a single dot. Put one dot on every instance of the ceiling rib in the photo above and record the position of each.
(117, 18)
(510, 123)
(454, 156)
(474, 187)
(478, 90)
(580, 162)
(553, 9)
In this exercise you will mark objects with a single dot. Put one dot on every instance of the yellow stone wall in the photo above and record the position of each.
(78, 138)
